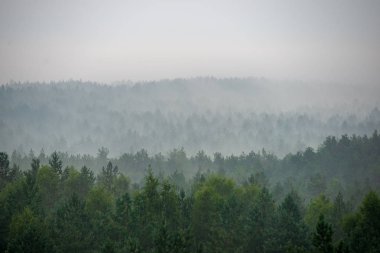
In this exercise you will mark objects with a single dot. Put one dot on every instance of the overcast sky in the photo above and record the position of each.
(98, 40)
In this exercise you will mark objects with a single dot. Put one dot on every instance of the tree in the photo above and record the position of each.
(87, 180)
(31, 177)
(99, 200)
(14, 173)
(339, 210)
(177, 160)
(260, 222)
(56, 163)
(35, 165)
(175, 242)
(102, 154)
(213, 215)
(162, 240)
(7, 174)
(71, 227)
(182, 241)
(170, 204)
(291, 232)
(151, 194)
(71, 182)
(123, 209)
(318, 206)
(322, 238)
(4, 166)
(342, 248)
(108, 176)
(121, 185)
(100, 206)
(47, 184)
(28, 234)
(108, 247)
(132, 246)
(147, 212)
(178, 179)
(365, 231)
(13, 200)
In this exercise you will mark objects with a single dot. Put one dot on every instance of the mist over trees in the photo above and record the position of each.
(268, 142)
(347, 164)
(189, 165)
(327, 201)
(215, 115)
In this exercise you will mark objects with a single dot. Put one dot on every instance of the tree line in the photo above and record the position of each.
(348, 164)
(50, 207)
(216, 115)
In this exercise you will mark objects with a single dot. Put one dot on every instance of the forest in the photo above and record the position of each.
(189, 126)
(322, 200)
(230, 115)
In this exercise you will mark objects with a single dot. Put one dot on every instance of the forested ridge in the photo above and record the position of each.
(315, 200)
(189, 126)
(229, 115)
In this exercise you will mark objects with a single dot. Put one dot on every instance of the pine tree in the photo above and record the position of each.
(4, 169)
(162, 243)
(322, 238)
(56, 163)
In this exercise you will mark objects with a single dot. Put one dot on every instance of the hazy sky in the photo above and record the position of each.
(324, 40)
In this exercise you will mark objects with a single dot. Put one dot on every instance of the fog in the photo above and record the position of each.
(328, 41)
(218, 76)
(230, 116)
(189, 126)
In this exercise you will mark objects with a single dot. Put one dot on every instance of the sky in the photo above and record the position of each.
(106, 41)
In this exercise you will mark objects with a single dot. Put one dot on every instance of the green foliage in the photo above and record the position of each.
(217, 230)
(13, 200)
(48, 186)
(108, 176)
(7, 174)
(339, 210)
(56, 163)
(170, 205)
(70, 181)
(178, 179)
(99, 201)
(108, 247)
(365, 227)
(318, 206)
(4, 169)
(87, 180)
(234, 210)
(71, 227)
(342, 248)
(322, 238)
(175, 242)
(292, 232)
(28, 234)
(121, 185)
(260, 223)
(31, 175)
(123, 210)
(162, 243)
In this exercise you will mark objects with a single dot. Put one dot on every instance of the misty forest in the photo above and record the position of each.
(224, 165)
(190, 126)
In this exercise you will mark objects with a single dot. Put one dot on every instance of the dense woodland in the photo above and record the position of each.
(322, 200)
(99, 155)
(215, 115)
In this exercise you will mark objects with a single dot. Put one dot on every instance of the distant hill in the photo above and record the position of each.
(215, 115)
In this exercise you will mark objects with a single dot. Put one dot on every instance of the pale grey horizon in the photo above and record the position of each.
(106, 41)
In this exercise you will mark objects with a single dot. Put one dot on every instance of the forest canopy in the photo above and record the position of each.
(159, 126)
(215, 115)
(189, 165)
(324, 200)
